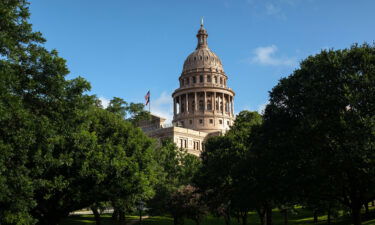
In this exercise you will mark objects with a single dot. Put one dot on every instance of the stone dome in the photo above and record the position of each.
(202, 57)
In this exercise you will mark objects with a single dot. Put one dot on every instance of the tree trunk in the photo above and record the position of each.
(121, 216)
(329, 214)
(244, 218)
(261, 214)
(115, 215)
(356, 214)
(269, 216)
(227, 219)
(366, 208)
(285, 216)
(96, 214)
(315, 216)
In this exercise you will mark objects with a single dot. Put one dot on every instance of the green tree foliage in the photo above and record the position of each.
(59, 151)
(187, 202)
(176, 168)
(226, 176)
(133, 112)
(321, 123)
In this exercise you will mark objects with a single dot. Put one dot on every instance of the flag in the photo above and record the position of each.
(147, 97)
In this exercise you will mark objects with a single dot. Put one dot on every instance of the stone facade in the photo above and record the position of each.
(203, 105)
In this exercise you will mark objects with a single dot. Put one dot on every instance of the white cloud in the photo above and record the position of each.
(163, 107)
(105, 101)
(266, 56)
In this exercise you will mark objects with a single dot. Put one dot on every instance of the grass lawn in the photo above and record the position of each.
(89, 219)
(301, 217)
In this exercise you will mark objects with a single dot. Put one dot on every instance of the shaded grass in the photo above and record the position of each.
(300, 217)
(89, 219)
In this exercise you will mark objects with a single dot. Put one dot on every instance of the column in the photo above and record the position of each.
(232, 106)
(196, 103)
(204, 103)
(174, 106)
(223, 104)
(179, 104)
(187, 102)
(214, 103)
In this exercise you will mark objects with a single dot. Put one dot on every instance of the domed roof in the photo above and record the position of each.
(202, 57)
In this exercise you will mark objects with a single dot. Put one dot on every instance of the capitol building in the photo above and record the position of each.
(203, 105)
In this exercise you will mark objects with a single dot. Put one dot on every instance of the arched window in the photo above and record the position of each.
(194, 80)
(209, 79)
(193, 105)
(215, 79)
(221, 80)
(201, 78)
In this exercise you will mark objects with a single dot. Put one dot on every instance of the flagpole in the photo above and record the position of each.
(149, 103)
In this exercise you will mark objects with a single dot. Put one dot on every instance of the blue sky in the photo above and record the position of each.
(125, 48)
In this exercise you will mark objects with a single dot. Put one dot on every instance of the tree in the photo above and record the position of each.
(16, 136)
(225, 176)
(60, 151)
(122, 165)
(176, 168)
(323, 125)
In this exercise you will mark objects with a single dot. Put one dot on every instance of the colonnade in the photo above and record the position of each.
(203, 101)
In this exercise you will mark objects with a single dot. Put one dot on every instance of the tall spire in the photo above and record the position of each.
(202, 37)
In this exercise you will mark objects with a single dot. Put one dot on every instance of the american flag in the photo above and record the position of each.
(147, 97)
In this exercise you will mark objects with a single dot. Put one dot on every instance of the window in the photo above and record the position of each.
(185, 142)
(220, 122)
(187, 80)
(209, 79)
(191, 121)
(228, 123)
(181, 143)
(215, 79)
(209, 104)
(194, 80)
(201, 106)
(201, 78)
(196, 145)
(221, 80)
(200, 121)
(211, 121)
